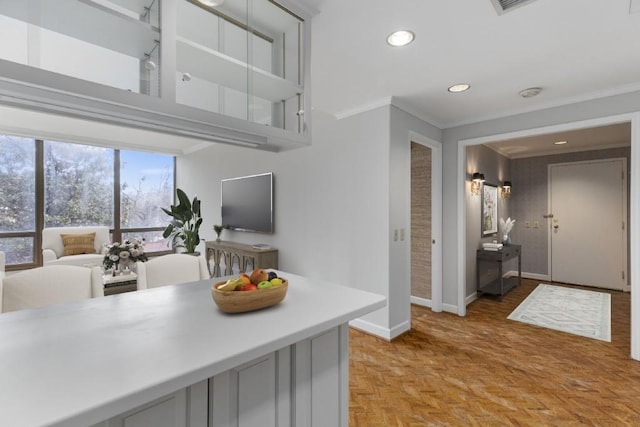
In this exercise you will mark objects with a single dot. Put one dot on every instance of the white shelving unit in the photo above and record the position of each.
(89, 21)
(259, 42)
(219, 68)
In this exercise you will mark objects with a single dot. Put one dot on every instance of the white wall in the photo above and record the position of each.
(336, 204)
(404, 127)
(331, 201)
(495, 168)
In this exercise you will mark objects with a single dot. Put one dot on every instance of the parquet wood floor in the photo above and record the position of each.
(486, 370)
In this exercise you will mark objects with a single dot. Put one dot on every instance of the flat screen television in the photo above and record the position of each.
(247, 203)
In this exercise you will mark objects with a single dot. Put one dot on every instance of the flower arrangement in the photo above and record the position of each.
(125, 252)
(505, 227)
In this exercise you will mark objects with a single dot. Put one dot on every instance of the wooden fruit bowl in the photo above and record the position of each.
(243, 301)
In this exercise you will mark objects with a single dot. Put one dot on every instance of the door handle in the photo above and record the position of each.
(555, 227)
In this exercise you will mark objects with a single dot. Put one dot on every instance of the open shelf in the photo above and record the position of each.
(89, 21)
(493, 288)
(216, 67)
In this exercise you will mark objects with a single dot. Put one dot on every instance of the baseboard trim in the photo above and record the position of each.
(471, 298)
(534, 276)
(450, 308)
(384, 333)
(420, 301)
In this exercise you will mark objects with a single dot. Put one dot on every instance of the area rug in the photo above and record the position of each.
(576, 311)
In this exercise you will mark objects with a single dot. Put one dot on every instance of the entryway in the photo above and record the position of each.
(420, 224)
(588, 223)
(424, 254)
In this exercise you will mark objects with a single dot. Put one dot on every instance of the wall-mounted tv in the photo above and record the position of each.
(247, 203)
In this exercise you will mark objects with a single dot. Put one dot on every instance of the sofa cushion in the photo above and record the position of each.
(75, 244)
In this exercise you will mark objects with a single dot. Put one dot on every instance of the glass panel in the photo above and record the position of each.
(114, 43)
(146, 182)
(153, 240)
(78, 185)
(211, 57)
(241, 59)
(17, 250)
(17, 184)
(275, 77)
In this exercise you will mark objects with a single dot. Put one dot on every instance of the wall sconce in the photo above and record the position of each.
(505, 192)
(476, 183)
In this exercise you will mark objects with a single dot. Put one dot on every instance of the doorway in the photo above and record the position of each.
(588, 221)
(421, 239)
(634, 217)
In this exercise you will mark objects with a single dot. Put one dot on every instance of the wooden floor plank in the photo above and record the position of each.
(486, 370)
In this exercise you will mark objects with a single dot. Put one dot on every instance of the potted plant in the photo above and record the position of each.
(218, 229)
(183, 231)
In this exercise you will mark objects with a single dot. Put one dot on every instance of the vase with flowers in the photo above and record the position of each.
(124, 255)
(505, 227)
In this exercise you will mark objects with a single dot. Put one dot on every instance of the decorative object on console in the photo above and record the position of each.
(505, 229)
(124, 254)
(476, 183)
(218, 229)
(183, 231)
(492, 246)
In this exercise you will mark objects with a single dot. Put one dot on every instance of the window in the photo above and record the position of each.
(17, 197)
(79, 185)
(146, 182)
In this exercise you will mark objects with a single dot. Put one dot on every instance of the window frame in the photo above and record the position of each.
(116, 231)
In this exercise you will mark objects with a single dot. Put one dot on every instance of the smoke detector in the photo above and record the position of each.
(530, 92)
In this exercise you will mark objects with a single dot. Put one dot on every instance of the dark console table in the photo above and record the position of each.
(487, 260)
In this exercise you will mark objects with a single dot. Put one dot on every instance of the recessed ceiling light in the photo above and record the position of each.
(530, 92)
(559, 142)
(460, 87)
(211, 3)
(400, 38)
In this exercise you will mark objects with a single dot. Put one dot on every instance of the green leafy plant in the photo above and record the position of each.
(183, 231)
(218, 229)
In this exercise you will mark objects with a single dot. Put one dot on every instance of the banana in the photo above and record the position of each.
(230, 285)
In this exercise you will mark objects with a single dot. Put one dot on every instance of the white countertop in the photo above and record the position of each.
(81, 363)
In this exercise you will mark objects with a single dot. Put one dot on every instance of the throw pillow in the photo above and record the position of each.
(75, 244)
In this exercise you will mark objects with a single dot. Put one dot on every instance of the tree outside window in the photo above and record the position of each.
(78, 183)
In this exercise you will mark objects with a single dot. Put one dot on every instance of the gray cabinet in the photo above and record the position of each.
(489, 270)
(307, 381)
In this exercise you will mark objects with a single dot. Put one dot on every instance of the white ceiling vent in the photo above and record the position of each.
(503, 6)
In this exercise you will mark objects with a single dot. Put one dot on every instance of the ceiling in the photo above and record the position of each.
(599, 138)
(573, 49)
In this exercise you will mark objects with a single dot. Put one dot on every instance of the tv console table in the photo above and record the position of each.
(242, 253)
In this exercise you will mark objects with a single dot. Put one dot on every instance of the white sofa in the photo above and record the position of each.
(53, 249)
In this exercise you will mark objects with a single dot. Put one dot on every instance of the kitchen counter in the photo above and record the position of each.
(82, 363)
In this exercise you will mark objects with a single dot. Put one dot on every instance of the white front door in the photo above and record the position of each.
(588, 228)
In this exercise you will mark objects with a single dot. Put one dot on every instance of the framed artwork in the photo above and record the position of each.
(489, 225)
